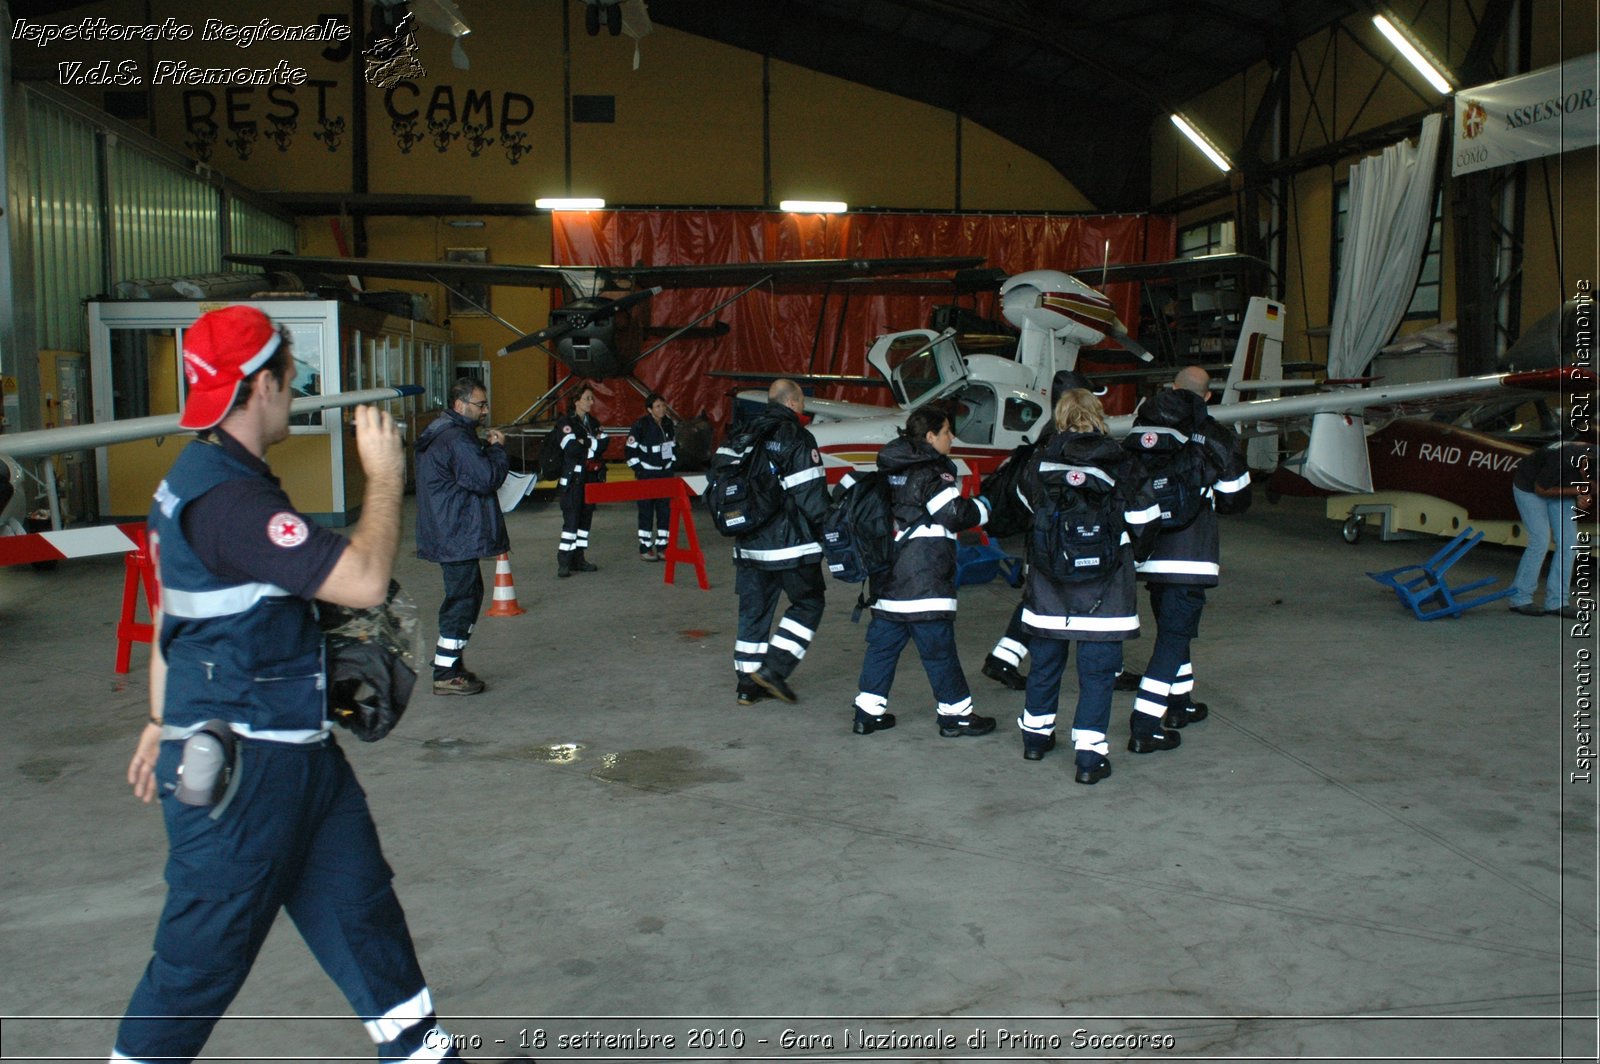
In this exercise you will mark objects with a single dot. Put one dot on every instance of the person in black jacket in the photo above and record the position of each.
(781, 556)
(1177, 440)
(652, 456)
(459, 521)
(1097, 612)
(917, 600)
(583, 446)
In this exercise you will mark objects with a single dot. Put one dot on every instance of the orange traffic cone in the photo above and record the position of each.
(505, 592)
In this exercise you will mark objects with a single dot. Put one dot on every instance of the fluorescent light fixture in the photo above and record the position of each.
(1199, 141)
(569, 203)
(808, 206)
(1431, 69)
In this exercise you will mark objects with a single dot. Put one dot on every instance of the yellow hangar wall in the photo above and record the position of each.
(698, 123)
(1338, 89)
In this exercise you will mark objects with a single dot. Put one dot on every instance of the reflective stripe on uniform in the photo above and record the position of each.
(1177, 565)
(1045, 622)
(392, 1024)
(794, 480)
(224, 602)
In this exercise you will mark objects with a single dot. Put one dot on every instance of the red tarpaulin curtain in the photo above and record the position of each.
(778, 332)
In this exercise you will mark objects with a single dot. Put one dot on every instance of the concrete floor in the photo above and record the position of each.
(1371, 850)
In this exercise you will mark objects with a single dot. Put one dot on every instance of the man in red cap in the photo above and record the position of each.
(262, 811)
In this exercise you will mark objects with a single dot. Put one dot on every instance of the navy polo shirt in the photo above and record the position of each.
(247, 530)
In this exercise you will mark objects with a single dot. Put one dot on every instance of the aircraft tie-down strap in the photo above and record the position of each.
(68, 543)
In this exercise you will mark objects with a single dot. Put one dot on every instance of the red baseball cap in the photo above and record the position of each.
(220, 350)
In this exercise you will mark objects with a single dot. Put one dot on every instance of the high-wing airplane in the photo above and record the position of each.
(597, 335)
(1438, 468)
(999, 403)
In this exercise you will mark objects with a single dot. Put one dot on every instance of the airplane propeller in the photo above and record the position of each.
(579, 320)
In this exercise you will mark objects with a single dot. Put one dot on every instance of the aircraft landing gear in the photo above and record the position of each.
(1351, 532)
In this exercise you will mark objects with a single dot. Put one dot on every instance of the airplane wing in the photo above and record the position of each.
(1396, 397)
(1172, 270)
(594, 279)
(41, 442)
(798, 378)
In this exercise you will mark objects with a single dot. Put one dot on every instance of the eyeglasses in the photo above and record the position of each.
(480, 404)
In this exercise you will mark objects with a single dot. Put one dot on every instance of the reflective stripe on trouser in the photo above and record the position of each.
(576, 517)
(1013, 646)
(655, 523)
(1098, 663)
(458, 615)
(297, 836)
(1177, 608)
(936, 646)
(758, 591)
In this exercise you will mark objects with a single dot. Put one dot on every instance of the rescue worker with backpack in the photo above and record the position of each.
(1093, 513)
(651, 451)
(766, 488)
(1196, 472)
(583, 446)
(916, 599)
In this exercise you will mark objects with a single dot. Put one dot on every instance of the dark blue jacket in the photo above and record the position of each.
(458, 515)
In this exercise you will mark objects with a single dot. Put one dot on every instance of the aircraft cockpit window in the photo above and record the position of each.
(1020, 414)
(974, 414)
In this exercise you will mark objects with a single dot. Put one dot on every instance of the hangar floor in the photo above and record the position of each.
(1372, 849)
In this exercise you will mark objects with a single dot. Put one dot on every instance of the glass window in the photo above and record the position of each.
(1021, 414)
(974, 414)
(1425, 300)
(144, 372)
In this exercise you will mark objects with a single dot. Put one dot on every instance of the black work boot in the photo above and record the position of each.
(1003, 672)
(563, 569)
(582, 565)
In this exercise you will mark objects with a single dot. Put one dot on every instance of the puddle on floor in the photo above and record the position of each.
(673, 768)
(551, 753)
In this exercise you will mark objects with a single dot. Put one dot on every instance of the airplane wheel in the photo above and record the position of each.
(614, 19)
(1351, 532)
(591, 19)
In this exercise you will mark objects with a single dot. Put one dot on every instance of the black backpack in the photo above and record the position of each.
(1077, 532)
(1178, 477)
(1007, 515)
(743, 489)
(858, 531)
(550, 463)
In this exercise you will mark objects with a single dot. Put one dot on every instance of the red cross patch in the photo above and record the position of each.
(287, 529)
(1148, 440)
(1076, 477)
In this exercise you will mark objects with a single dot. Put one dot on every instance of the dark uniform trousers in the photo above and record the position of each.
(576, 516)
(758, 591)
(936, 644)
(655, 522)
(1169, 678)
(458, 615)
(296, 835)
(1098, 664)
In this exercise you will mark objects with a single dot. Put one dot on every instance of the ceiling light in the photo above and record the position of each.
(807, 206)
(1199, 141)
(569, 203)
(1430, 68)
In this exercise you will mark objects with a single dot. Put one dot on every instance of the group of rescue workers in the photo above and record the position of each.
(264, 813)
(1147, 511)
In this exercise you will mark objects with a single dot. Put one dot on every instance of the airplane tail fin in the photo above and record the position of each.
(1258, 356)
(1259, 352)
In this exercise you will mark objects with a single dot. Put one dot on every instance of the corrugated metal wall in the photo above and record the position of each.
(64, 199)
(157, 219)
(255, 232)
(164, 222)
